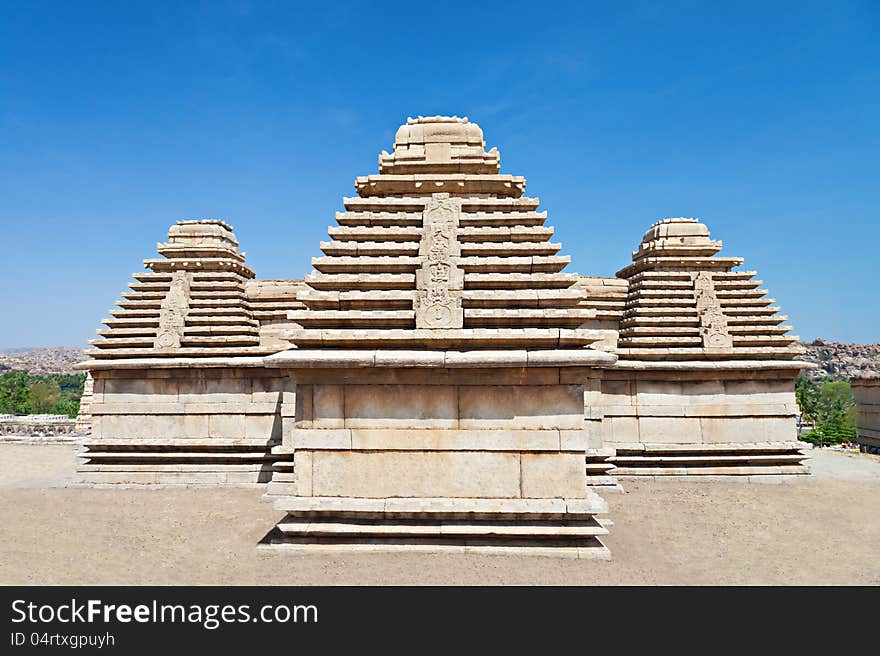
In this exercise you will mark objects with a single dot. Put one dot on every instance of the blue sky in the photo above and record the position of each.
(116, 119)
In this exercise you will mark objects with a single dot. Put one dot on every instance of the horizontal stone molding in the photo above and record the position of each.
(160, 408)
(699, 365)
(206, 362)
(433, 440)
(318, 359)
(693, 409)
(445, 507)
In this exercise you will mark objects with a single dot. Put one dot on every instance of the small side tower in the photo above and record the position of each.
(705, 379)
(180, 394)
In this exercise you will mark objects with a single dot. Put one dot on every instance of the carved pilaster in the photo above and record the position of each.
(439, 281)
(713, 325)
(172, 313)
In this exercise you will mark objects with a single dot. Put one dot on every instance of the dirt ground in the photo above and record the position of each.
(823, 529)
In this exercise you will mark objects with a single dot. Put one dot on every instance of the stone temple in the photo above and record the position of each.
(440, 381)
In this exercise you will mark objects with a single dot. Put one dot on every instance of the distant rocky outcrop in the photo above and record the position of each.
(842, 360)
(41, 361)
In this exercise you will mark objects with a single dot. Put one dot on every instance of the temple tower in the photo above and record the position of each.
(705, 380)
(440, 366)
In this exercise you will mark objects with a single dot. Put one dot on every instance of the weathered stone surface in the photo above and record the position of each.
(415, 474)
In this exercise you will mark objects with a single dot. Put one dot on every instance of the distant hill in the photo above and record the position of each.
(842, 360)
(46, 360)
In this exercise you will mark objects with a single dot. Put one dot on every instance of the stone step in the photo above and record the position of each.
(497, 248)
(157, 287)
(533, 264)
(225, 340)
(659, 341)
(764, 340)
(682, 265)
(141, 331)
(376, 233)
(178, 455)
(354, 318)
(444, 507)
(603, 481)
(154, 276)
(361, 281)
(236, 293)
(494, 338)
(372, 219)
(329, 527)
(576, 548)
(193, 319)
(684, 275)
(756, 320)
(731, 447)
(417, 204)
(196, 303)
(721, 470)
(204, 465)
(521, 298)
(121, 314)
(222, 329)
(669, 353)
(369, 248)
(504, 234)
(501, 185)
(208, 264)
(120, 342)
(731, 311)
(366, 264)
(131, 295)
(499, 317)
(196, 353)
(503, 219)
(726, 294)
(386, 299)
(513, 280)
(744, 458)
(186, 443)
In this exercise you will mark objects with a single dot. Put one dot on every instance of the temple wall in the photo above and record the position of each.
(695, 423)
(205, 425)
(502, 433)
(867, 395)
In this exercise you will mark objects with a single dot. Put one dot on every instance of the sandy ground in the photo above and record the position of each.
(824, 529)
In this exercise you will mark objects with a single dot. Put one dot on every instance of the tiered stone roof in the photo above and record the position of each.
(686, 303)
(191, 301)
(441, 251)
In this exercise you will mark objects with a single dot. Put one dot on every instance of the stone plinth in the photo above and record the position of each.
(183, 425)
(455, 444)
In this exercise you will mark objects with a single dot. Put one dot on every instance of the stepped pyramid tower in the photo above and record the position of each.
(685, 302)
(704, 383)
(440, 366)
(191, 302)
(179, 392)
(442, 255)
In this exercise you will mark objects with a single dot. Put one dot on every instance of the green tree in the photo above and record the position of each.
(807, 394)
(44, 395)
(835, 414)
(14, 393)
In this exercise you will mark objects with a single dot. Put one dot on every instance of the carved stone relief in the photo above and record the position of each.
(713, 324)
(439, 281)
(172, 313)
